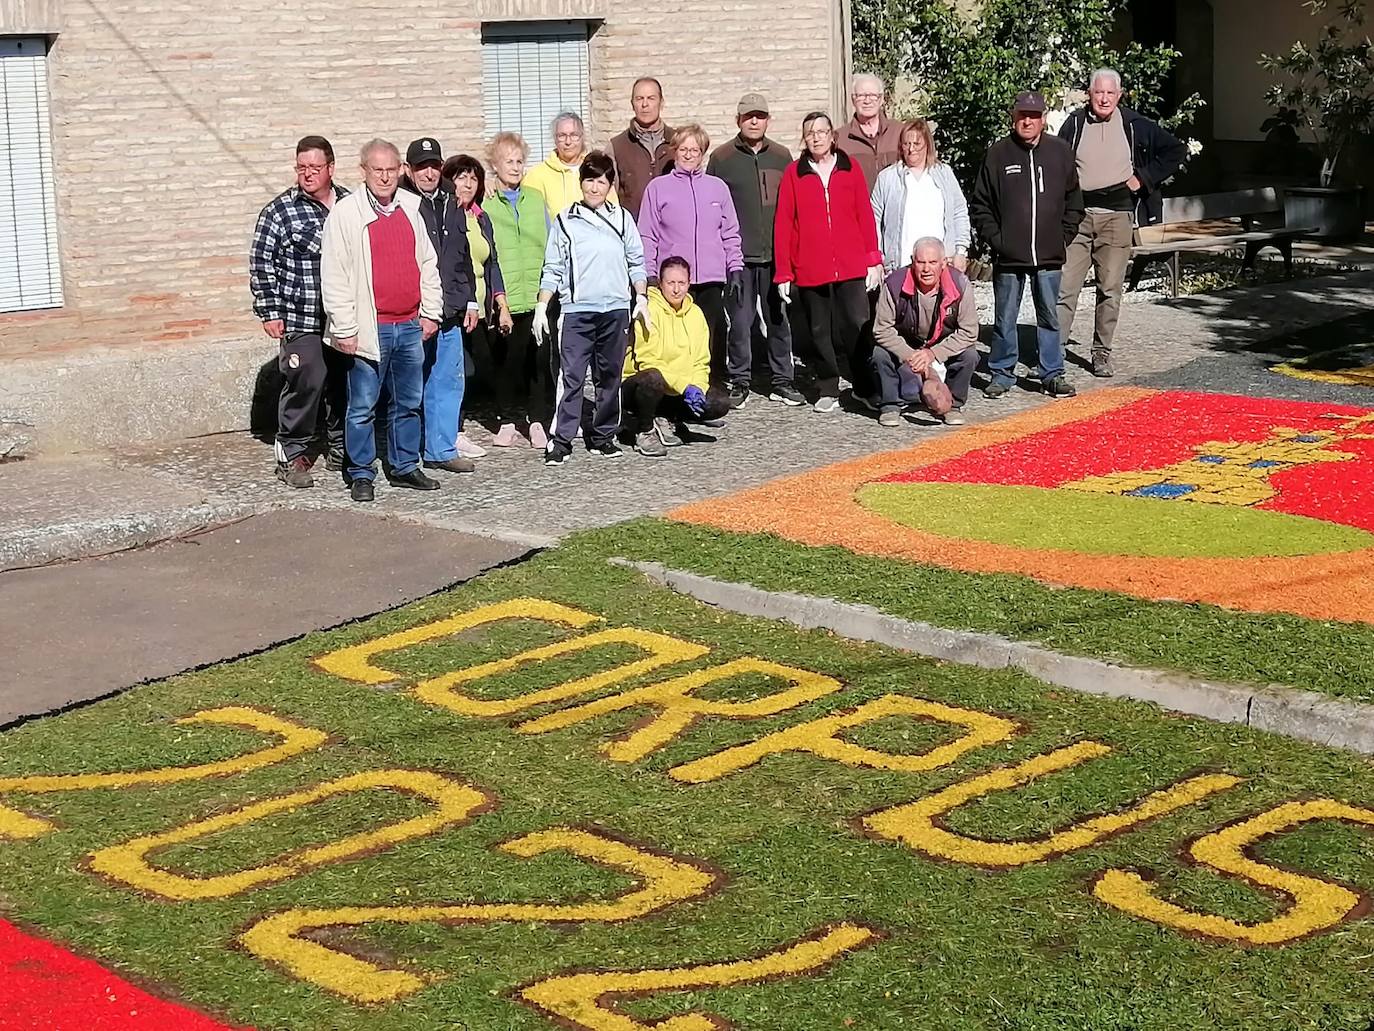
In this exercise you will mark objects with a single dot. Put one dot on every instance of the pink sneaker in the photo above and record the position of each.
(539, 437)
(469, 448)
(506, 436)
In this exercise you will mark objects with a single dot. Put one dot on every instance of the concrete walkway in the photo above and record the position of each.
(96, 503)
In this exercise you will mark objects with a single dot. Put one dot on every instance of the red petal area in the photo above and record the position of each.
(46, 988)
(1146, 434)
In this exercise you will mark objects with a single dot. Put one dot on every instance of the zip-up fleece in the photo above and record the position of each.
(635, 168)
(1156, 154)
(522, 241)
(753, 180)
(448, 232)
(1026, 204)
(559, 184)
(824, 236)
(679, 346)
(691, 215)
(592, 258)
(953, 326)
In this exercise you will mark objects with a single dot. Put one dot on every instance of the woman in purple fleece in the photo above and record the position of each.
(686, 213)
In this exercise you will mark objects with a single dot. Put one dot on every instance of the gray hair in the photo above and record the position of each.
(566, 116)
(376, 144)
(863, 77)
(1110, 74)
(929, 241)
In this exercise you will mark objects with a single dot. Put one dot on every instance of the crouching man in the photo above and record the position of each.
(926, 326)
(668, 367)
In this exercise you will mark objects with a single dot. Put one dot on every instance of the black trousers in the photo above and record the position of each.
(835, 315)
(646, 395)
(596, 339)
(710, 298)
(898, 385)
(314, 382)
(521, 379)
(759, 302)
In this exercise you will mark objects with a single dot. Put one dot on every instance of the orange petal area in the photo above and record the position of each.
(820, 508)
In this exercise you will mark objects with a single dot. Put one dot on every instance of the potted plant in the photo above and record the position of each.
(1329, 90)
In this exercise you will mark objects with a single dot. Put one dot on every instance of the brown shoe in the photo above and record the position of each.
(457, 464)
(295, 473)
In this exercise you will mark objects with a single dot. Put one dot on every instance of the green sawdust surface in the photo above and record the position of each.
(965, 949)
(1315, 655)
(1104, 524)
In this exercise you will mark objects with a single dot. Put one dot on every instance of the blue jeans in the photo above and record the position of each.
(399, 367)
(1007, 289)
(443, 401)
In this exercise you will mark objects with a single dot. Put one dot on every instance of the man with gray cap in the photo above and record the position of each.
(752, 166)
(1026, 206)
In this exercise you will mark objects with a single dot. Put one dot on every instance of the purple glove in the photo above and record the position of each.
(695, 398)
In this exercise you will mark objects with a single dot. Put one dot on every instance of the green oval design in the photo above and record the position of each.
(1104, 524)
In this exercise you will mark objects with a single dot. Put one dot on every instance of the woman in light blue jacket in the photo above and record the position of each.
(919, 197)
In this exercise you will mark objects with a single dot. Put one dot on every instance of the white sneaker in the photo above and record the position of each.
(827, 404)
(468, 449)
(953, 418)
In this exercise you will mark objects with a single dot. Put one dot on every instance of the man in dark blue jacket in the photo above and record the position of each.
(1123, 158)
(448, 231)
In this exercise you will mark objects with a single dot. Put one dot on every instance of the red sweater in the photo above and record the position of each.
(395, 272)
(819, 240)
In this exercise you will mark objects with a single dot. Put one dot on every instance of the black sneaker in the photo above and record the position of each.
(606, 449)
(739, 395)
(414, 480)
(361, 490)
(1058, 387)
(996, 389)
(788, 395)
(557, 453)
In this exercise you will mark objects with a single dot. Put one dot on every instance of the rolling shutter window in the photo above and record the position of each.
(29, 274)
(530, 72)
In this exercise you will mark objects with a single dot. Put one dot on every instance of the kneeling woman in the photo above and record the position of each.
(668, 367)
(594, 262)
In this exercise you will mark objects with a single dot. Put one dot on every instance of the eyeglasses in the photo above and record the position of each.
(817, 134)
(913, 144)
(384, 170)
(566, 136)
(310, 169)
(867, 96)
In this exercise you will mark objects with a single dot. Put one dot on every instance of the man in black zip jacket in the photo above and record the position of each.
(1123, 157)
(443, 368)
(1026, 206)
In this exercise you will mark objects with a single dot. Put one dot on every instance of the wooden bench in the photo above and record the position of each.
(1261, 218)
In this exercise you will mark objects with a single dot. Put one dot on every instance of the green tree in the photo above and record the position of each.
(968, 66)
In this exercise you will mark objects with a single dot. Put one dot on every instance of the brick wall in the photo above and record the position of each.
(173, 123)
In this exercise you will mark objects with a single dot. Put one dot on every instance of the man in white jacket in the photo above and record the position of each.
(379, 276)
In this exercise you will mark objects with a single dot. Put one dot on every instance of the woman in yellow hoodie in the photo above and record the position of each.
(556, 178)
(668, 368)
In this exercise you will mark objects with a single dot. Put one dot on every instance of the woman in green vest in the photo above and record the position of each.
(523, 376)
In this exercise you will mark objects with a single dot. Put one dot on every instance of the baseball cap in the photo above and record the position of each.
(752, 102)
(426, 148)
(1029, 101)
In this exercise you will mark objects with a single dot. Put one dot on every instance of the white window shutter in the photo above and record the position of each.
(30, 275)
(531, 71)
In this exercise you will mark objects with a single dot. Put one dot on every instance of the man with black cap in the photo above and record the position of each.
(443, 368)
(1026, 205)
(752, 166)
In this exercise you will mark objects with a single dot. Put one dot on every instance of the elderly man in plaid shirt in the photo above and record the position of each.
(284, 274)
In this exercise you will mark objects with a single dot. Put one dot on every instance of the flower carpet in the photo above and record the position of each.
(560, 796)
(1256, 504)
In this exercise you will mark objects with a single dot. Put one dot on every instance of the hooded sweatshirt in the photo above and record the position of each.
(558, 183)
(679, 346)
(691, 215)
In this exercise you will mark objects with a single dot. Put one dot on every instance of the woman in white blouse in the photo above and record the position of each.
(920, 197)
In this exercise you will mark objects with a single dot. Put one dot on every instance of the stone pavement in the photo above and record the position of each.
(78, 631)
(97, 503)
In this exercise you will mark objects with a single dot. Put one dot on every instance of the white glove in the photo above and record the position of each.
(874, 279)
(938, 370)
(541, 321)
(641, 312)
(785, 292)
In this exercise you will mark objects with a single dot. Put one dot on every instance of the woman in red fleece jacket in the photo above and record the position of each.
(826, 243)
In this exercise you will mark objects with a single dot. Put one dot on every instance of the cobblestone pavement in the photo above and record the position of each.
(513, 496)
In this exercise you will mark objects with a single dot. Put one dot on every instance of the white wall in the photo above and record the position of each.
(1244, 29)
